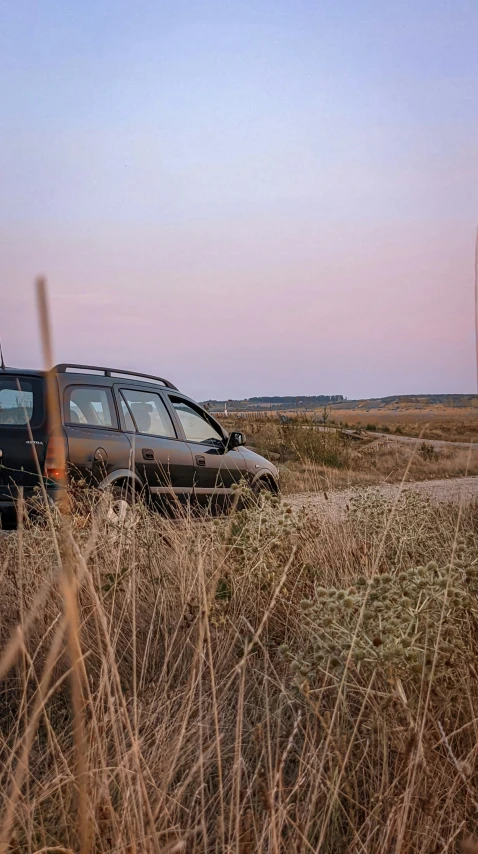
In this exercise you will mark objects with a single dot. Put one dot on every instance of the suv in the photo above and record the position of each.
(133, 432)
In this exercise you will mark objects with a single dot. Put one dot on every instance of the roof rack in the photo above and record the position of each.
(111, 372)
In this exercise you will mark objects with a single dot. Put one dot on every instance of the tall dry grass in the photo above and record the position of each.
(267, 682)
(451, 424)
(312, 460)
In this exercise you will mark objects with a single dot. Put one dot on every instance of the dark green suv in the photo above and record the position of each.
(134, 432)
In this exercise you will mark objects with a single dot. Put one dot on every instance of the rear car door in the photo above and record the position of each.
(96, 445)
(22, 409)
(216, 470)
(161, 459)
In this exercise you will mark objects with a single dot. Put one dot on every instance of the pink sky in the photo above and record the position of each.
(249, 200)
(265, 308)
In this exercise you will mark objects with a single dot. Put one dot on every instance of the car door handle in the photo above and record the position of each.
(200, 461)
(148, 454)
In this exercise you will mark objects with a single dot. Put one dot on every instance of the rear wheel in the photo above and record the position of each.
(121, 510)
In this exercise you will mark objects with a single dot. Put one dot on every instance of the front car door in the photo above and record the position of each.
(216, 470)
(162, 460)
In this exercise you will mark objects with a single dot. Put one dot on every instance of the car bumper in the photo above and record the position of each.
(9, 501)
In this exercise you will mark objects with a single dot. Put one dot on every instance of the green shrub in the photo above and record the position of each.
(428, 452)
(322, 447)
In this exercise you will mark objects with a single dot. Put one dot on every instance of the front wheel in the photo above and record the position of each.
(262, 489)
(262, 485)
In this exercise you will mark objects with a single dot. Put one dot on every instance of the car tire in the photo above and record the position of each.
(262, 485)
(120, 512)
(260, 488)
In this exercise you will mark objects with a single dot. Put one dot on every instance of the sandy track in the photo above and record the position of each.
(410, 440)
(453, 489)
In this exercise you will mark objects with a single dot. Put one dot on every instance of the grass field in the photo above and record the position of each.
(267, 682)
(438, 422)
(272, 681)
(432, 421)
(311, 459)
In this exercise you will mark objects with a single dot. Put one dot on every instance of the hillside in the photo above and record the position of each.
(276, 402)
(411, 401)
(337, 401)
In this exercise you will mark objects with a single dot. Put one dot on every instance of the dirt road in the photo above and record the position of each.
(436, 443)
(454, 489)
(378, 437)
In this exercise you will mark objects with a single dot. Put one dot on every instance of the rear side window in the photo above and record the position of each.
(149, 412)
(21, 401)
(89, 406)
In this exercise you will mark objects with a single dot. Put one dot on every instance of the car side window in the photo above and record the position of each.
(89, 406)
(195, 425)
(149, 413)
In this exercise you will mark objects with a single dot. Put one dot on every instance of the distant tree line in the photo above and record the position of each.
(295, 399)
(278, 402)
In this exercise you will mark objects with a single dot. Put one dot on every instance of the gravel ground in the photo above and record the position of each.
(455, 490)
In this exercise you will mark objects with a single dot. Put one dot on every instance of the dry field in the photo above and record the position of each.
(279, 680)
(312, 460)
(268, 682)
(436, 422)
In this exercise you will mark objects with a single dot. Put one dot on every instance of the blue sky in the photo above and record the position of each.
(253, 198)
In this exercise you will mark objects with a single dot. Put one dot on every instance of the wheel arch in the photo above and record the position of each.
(269, 478)
(123, 477)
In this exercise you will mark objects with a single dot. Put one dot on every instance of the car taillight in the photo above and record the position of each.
(55, 460)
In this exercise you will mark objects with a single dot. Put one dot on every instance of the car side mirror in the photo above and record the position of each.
(235, 440)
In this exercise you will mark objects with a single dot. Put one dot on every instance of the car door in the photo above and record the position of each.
(96, 445)
(162, 460)
(216, 469)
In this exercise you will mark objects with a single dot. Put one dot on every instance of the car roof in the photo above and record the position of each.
(92, 374)
(78, 376)
(22, 371)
